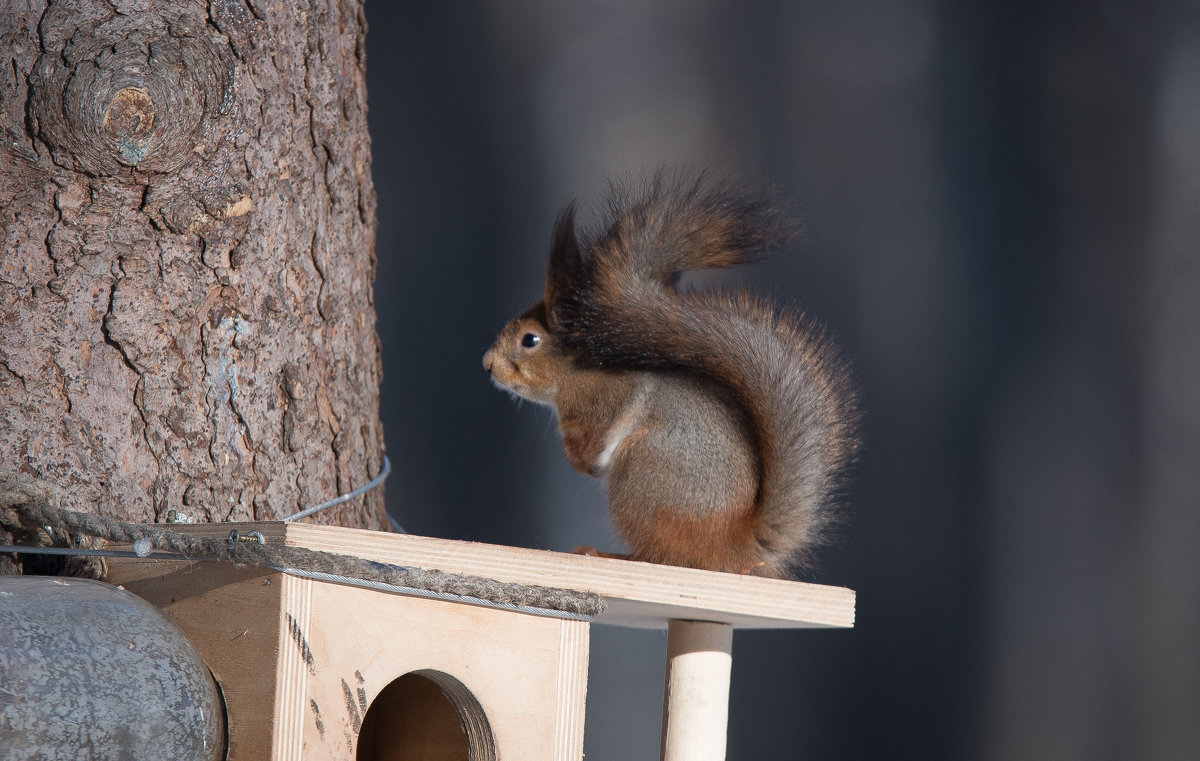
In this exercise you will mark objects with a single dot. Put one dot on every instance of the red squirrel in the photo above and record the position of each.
(722, 425)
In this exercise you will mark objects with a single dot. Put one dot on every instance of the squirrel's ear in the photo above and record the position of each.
(565, 257)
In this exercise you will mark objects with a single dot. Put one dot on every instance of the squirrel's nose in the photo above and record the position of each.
(487, 361)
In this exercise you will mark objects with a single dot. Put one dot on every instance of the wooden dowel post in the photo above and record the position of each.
(696, 698)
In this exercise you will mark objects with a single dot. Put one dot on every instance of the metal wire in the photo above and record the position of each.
(376, 481)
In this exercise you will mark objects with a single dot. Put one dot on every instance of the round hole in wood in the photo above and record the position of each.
(427, 715)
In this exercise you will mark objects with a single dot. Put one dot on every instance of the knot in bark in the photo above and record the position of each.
(115, 91)
(127, 121)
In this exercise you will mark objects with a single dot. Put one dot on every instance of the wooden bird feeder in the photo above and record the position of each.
(319, 670)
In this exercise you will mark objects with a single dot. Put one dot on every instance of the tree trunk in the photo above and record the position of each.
(188, 230)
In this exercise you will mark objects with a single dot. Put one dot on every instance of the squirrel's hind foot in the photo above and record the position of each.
(584, 549)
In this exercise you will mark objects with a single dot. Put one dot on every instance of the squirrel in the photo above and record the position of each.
(722, 425)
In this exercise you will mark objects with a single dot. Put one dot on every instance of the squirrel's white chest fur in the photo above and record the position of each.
(630, 419)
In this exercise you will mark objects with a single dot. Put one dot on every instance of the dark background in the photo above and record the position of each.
(1002, 212)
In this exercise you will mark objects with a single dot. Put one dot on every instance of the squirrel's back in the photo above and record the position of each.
(612, 303)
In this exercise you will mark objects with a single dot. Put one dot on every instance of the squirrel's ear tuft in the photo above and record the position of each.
(565, 258)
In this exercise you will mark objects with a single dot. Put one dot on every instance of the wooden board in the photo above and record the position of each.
(232, 615)
(638, 594)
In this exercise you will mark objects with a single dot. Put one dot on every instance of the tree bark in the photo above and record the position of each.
(188, 230)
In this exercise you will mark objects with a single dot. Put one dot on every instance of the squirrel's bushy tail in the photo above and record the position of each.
(611, 300)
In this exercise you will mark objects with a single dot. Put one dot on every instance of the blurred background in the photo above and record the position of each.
(1002, 211)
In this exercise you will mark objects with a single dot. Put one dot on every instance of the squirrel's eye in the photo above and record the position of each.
(530, 340)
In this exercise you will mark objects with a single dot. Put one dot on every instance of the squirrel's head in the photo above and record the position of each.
(526, 360)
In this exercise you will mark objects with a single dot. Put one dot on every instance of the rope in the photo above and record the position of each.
(32, 514)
